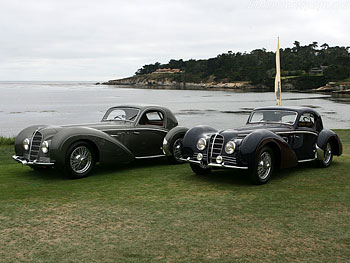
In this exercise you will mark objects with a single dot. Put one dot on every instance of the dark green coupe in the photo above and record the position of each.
(124, 134)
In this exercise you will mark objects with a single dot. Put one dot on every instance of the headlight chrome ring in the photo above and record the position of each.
(45, 147)
(230, 147)
(201, 144)
(26, 143)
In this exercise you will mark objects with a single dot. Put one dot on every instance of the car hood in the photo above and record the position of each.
(102, 125)
(49, 130)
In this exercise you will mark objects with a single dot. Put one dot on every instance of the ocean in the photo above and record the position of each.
(28, 103)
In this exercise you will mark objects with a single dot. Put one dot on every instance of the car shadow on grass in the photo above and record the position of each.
(99, 170)
(241, 177)
(223, 177)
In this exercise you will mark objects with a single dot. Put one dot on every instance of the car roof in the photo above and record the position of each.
(171, 118)
(140, 106)
(299, 110)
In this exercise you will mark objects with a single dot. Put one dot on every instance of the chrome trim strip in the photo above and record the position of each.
(288, 132)
(306, 160)
(296, 116)
(214, 164)
(212, 147)
(31, 143)
(132, 129)
(190, 161)
(152, 156)
(25, 162)
(227, 166)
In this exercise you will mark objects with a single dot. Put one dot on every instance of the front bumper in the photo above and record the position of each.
(24, 161)
(221, 165)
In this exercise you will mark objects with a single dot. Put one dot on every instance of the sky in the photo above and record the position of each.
(85, 40)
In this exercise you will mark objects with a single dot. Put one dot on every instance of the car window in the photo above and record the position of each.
(152, 118)
(121, 114)
(273, 116)
(307, 120)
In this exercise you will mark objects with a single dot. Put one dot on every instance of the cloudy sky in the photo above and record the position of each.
(106, 39)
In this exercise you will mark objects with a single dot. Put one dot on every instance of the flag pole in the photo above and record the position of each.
(278, 87)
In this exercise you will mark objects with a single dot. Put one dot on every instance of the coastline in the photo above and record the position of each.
(163, 81)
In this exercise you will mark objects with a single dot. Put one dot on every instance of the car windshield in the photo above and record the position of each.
(273, 116)
(121, 114)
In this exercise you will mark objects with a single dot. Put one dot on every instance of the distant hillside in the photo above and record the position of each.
(303, 67)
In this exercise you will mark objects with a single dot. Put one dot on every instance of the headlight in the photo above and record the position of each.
(230, 147)
(26, 144)
(201, 144)
(45, 147)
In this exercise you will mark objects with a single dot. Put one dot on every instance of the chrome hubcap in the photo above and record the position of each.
(80, 159)
(327, 153)
(264, 165)
(177, 149)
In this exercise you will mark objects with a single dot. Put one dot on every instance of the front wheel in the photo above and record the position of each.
(327, 157)
(175, 149)
(262, 170)
(80, 160)
(197, 169)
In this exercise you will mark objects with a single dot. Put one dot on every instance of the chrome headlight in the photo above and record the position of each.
(26, 143)
(45, 147)
(202, 142)
(230, 147)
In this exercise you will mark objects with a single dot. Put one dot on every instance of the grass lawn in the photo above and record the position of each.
(155, 212)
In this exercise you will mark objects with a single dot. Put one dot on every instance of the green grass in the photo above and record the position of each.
(154, 212)
(7, 140)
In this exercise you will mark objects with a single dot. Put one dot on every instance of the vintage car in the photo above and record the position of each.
(273, 137)
(124, 134)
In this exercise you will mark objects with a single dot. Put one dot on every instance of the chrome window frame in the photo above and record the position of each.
(104, 118)
(259, 122)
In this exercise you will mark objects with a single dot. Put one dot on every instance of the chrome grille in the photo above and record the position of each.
(35, 146)
(216, 142)
(229, 160)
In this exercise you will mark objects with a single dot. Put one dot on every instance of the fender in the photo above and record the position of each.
(109, 149)
(171, 136)
(329, 136)
(255, 141)
(192, 136)
(26, 133)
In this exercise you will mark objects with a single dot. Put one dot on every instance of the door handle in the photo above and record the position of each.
(136, 132)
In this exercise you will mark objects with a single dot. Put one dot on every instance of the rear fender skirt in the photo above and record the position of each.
(330, 136)
(255, 141)
(110, 150)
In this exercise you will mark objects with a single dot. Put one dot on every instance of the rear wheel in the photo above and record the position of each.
(197, 169)
(263, 167)
(327, 156)
(80, 160)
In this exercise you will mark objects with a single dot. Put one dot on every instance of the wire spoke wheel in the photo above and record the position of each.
(261, 171)
(177, 149)
(264, 165)
(80, 159)
(327, 154)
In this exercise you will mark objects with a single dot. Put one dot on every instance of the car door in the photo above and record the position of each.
(305, 136)
(146, 139)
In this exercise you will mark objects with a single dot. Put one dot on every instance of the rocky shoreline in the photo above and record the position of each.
(145, 81)
(168, 83)
(335, 88)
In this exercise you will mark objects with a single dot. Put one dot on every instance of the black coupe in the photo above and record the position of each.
(273, 137)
